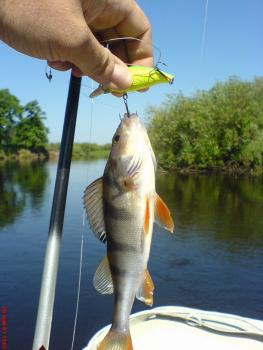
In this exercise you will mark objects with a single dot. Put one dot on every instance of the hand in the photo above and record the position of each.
(68, 33)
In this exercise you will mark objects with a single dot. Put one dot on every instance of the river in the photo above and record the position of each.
(213, 261)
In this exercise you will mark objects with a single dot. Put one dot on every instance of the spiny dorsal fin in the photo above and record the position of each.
(93, 203)
(163, 215)
(145, 291)
(102, 279)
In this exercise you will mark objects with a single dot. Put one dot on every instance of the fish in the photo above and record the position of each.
(142, 78)
(121, 207)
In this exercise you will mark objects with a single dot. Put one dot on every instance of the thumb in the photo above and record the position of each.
(96, 61)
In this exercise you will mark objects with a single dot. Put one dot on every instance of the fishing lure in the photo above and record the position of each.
(142, 78)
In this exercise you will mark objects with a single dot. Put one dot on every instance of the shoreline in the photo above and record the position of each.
(228, 170)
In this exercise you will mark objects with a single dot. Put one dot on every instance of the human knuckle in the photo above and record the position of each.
(101, 65)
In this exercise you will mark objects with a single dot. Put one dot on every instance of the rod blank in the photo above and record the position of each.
(49, 277)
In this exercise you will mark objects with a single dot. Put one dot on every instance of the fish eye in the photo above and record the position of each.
(116, 138)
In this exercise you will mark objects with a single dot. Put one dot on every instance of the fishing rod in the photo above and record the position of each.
(49, 277)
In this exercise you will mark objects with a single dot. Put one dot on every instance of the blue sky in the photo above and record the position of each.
(233, 46)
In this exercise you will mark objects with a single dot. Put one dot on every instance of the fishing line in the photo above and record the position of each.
(132, 38)
(91, 113)
(204, 31)
(82, 238)
(79, 280)
(102, 103)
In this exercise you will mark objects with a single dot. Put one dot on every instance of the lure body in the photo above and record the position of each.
(142, 78)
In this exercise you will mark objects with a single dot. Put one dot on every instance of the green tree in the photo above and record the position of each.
(21, 127)
(222, 127)
(10, 114)
(31, 132)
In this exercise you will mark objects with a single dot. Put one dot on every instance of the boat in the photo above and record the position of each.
(175, 327)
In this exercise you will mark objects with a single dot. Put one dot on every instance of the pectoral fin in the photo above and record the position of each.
(93, 203)
(163, 215)
(145, 292)
(102, 279)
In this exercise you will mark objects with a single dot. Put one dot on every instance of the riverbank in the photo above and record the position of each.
(81, 151)
(24, 154)
(51, 151)
(233, 169)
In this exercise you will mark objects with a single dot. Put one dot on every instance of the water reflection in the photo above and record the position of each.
(22, 184)
(227, 208)
(213, 261)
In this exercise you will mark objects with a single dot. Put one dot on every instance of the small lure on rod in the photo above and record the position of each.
(142, 78)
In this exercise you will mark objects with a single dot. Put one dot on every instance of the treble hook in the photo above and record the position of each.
(48, 75)
(125, 98)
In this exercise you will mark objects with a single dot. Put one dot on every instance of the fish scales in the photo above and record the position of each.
(121, 207)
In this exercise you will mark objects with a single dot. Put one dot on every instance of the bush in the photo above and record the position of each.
(214, 128)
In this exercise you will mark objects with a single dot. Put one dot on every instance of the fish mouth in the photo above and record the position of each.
(132, 124)
(129, 119)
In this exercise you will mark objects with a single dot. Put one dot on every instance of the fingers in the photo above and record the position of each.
(96, 61)
(59, 65)
(117, 47)
(138, 26)
(63, 66)
(86, 56)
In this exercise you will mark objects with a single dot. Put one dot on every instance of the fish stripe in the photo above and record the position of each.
(123, 247)
(107, 180)
(117, 271)
(117, 213)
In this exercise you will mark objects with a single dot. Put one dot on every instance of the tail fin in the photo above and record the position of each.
(116, 340)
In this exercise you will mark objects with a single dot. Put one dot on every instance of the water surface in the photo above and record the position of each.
(213, 261)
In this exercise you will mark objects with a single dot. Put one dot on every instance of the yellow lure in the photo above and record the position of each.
(142, 78)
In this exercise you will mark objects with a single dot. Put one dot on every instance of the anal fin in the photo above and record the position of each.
(102, 279)
(145, 291)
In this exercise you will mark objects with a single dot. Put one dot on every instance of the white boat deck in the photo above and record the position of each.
(173, 327)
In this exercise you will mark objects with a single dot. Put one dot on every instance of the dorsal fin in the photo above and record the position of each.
(93, 203)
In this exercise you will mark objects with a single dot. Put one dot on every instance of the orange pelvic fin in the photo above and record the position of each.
(146, 226)
(116, 341)
(145, 292)
(163, 215)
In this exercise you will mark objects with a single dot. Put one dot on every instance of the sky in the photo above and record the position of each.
(233, 45)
